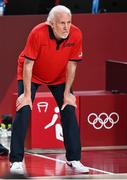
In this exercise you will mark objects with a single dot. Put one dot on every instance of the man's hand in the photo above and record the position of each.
(69, 99)
(23, 101)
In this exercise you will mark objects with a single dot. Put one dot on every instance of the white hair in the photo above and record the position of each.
(57, 10)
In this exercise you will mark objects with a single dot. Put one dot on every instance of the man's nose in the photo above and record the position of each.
(65, 26)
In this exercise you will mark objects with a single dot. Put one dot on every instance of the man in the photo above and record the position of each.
(50, 56)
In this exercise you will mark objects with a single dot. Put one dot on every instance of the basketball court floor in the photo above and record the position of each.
(51, 164)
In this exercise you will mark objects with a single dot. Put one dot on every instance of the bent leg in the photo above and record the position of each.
(71, 133)
(69, 124)
(20, 125)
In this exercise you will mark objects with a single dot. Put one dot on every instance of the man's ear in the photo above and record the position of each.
(51, 24)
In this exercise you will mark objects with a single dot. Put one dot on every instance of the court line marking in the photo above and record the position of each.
(58, 160)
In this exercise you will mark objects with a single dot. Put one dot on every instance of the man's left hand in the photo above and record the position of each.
(69, 99)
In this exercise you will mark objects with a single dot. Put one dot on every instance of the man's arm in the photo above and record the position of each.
(69, 98)
(25, 98)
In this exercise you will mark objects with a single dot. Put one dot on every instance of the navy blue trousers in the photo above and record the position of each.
(69, 124)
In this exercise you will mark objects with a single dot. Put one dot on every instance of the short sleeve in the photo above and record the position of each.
(76, 52)
(31, 49)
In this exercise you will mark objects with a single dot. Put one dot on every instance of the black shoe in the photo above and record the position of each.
(3, 151)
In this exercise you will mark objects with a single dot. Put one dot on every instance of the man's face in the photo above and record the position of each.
(61, 25)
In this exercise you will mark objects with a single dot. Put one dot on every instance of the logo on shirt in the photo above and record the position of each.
(80, 55)
(69, 44)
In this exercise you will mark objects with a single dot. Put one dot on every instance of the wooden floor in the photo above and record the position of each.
(103, 164)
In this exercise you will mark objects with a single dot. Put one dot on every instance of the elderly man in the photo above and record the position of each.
(50, 57)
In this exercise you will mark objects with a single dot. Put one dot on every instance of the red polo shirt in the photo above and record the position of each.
(50, 56)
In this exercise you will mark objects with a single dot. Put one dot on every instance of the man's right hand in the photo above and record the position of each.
(23, 101)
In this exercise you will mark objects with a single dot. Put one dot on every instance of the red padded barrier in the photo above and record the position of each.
(103, 119)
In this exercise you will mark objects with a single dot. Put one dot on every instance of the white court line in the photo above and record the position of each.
(58, 160)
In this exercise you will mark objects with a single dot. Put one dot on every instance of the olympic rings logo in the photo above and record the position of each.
(103, 120)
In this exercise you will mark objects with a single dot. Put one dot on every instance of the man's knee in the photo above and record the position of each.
(69, 109)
